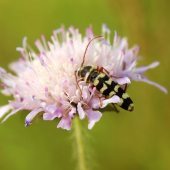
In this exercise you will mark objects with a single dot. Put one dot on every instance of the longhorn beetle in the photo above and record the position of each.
(103, 83)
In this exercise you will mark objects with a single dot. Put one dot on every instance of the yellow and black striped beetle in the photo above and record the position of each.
(103, 83)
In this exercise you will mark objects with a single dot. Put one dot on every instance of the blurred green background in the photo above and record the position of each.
(134, 141)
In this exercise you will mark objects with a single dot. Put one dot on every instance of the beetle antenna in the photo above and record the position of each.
(87, 47)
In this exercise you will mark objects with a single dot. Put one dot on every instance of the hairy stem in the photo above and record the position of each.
(79, 145)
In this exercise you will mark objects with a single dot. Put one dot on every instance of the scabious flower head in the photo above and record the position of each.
(45, 82)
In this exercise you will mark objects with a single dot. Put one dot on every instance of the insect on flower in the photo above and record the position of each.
(57, 84)
(104, 84)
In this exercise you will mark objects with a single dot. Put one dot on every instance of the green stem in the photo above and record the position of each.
(79, 144)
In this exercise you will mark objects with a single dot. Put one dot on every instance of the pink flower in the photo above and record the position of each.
(45, 82)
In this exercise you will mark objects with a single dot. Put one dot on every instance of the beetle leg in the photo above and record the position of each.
(98, 69)
(101, 70)
(125, 88)
(99, 99)
(117, 111)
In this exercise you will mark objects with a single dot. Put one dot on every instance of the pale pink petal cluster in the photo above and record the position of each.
(45, 82)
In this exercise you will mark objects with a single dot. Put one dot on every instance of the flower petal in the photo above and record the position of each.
(65, 123)
(49, 116)
(2, 71)
(128, 70)
(143, 69)
(12, 113)
(5, 109)
(155, 84)
(123, 80)
(95, 103)
(73, 110)
(105, 43)
(51, 108)
(93, 117)
(31, 116)
(16, 104)
(113, 99)
(80, 111)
